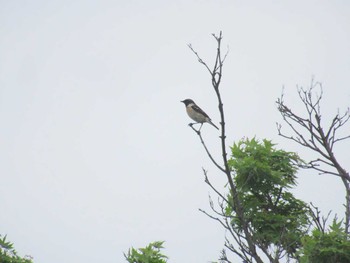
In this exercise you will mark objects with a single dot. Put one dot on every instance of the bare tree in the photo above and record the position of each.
(309, 131)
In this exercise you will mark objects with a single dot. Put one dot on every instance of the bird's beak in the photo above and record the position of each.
(182, 101)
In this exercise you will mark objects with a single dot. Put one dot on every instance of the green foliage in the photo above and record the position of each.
(260, 167)
(263, 176)
(9, 255)
(149, 254)
(333, 246)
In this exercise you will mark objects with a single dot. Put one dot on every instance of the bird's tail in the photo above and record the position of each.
(209, 121)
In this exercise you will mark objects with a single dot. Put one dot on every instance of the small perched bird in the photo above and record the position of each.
(196, 113)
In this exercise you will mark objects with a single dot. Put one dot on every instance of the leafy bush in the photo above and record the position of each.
(332, 246)
(263, 175)
(9, 255)
(149, 254)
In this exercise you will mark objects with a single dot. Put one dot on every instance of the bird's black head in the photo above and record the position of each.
(187, 101)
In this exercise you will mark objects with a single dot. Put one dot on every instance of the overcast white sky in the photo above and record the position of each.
(95, 152)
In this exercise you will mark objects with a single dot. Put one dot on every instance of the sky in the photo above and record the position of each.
(95, 152)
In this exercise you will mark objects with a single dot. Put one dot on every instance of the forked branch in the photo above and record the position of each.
(309, 131)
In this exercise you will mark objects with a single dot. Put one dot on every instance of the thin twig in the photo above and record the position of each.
(318, 139)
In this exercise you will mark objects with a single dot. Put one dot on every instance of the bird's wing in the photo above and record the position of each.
(199, 110)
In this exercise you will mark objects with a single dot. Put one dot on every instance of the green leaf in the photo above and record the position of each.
(263, 174)
(149, 254)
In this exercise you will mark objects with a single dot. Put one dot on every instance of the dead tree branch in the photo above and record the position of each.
(310, 132)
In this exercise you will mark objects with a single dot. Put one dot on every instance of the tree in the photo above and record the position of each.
(261, 216)
(216, 75)
(149, 254)
(9, 255)
(277, 220)
(310, 132)
(264, 220)
(324, 247)
(263, 175)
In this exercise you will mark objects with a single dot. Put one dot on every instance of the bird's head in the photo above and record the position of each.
(187, 101)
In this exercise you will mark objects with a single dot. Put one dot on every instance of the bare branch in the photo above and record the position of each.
(213, 217)
(319, 221)
(206, 148)
(317, 138)
(199, 58)
(212, 187)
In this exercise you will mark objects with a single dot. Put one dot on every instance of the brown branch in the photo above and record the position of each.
(216, 75)
(319, 221)
(212, 187)
(200, 60)
(206, 148)
(317, 139)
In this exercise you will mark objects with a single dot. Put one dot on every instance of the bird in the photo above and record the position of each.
(196, 113)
